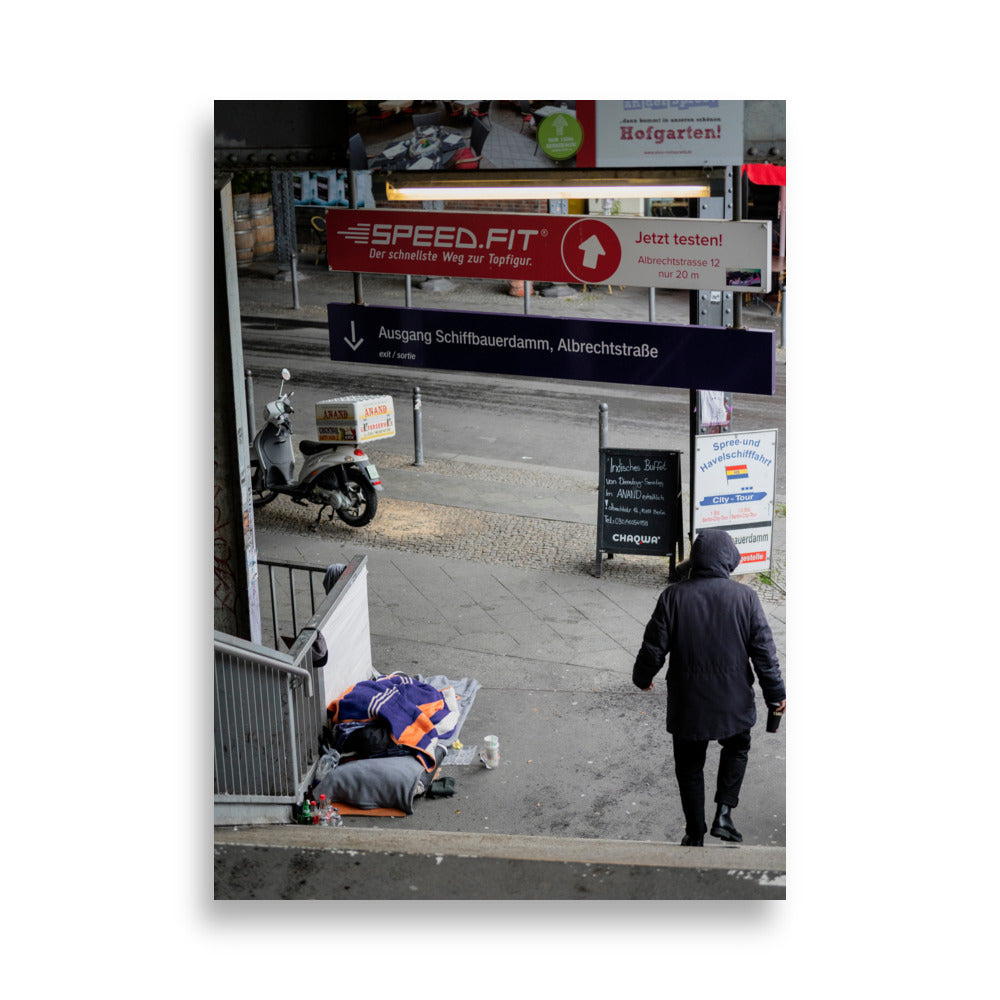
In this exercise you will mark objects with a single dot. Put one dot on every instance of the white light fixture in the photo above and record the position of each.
(404, 191)
(506, 185)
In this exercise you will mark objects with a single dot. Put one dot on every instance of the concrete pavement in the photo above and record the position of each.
(486, 571)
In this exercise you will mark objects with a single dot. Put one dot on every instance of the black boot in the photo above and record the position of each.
(722, 825)
(694, 839)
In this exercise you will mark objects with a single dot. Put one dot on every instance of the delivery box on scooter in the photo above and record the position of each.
(354, 419)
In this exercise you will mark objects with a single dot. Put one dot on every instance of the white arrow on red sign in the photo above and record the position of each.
(592, 250)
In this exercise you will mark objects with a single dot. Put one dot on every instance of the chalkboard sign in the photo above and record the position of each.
(639, 508)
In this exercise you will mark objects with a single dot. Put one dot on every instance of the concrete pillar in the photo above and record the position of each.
(237, 603)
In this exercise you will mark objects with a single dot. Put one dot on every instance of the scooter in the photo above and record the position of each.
(335, 475)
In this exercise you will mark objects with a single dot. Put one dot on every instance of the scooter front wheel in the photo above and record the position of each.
(365, 499)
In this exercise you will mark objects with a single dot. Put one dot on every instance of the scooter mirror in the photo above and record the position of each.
(285, 374)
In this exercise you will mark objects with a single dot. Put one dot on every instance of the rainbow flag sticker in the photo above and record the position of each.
(736, 472)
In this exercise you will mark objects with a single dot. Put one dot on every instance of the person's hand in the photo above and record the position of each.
(781, 707)
(650, 688)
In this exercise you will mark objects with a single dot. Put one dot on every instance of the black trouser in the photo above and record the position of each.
(689, 766)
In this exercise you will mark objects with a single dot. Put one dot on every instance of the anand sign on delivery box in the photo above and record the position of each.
(646, 252)
(355, 419)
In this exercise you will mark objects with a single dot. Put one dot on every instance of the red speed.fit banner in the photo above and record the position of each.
(645, 252)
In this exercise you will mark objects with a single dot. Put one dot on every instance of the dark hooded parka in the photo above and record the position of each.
(713, 628)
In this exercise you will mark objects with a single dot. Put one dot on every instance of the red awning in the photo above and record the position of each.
(765, 173)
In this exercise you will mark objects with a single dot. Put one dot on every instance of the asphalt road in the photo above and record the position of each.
(538, 422)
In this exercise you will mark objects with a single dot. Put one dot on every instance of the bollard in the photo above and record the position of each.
(295, 283)
(602, 443)
(418, 437)
(251, 421)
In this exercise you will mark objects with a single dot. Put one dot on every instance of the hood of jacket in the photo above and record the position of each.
(714, 553)
(332, 575)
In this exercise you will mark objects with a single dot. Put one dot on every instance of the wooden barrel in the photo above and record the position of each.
(243, 232)
(263, 236)
(262, 220)
(264, 242)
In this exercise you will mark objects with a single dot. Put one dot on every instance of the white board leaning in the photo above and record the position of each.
(734, 489)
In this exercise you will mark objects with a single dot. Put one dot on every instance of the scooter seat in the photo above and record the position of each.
(314, 447)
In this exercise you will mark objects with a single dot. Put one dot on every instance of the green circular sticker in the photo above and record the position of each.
(559, 135)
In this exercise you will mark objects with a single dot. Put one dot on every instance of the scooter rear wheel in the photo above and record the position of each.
(261, 496)
(365, 500)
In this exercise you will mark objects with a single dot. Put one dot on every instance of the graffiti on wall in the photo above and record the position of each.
(225, 585)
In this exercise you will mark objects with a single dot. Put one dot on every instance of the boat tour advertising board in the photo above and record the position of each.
(639, 504)
(734, 489)
(646, 252)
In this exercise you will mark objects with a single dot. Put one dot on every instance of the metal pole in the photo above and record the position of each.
(251, 423)
(352, 196)
(602, 442)
(527, 297)
(692, 432)
(784, 305)
(295, 281)
(418, 436)
(409, 292)
(652, 305)
(737, 176)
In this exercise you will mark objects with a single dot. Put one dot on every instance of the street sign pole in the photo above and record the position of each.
(352, 194)
(710, 308)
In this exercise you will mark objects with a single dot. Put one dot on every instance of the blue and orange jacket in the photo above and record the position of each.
(418, 715)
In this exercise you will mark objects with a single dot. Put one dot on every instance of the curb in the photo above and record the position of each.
(341, 863)
(513, 847)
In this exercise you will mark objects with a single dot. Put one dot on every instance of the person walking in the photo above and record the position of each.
(713, 628)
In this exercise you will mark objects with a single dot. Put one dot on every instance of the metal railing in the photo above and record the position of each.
(270, 703)
(291, 593)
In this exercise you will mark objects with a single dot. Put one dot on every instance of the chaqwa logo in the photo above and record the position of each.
(637, 539)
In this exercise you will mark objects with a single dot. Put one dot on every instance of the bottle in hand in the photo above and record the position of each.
(774, 714)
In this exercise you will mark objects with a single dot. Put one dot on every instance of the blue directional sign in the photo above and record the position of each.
(652, 354)
(746, 497)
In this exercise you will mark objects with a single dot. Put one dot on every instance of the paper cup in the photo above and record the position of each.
(491, 751)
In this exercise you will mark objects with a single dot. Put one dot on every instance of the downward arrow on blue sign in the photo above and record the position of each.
(354, 343)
